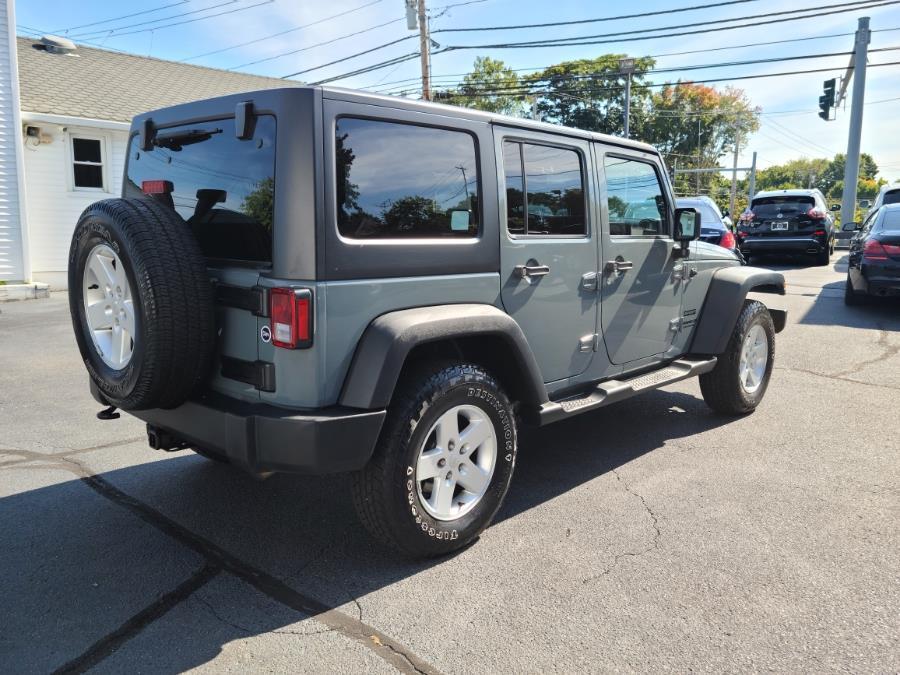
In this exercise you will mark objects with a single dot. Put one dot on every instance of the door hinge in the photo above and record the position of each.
(588, 343)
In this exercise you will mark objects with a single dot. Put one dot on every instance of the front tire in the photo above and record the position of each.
(824, 257)
(739, 381)
(851, 299)
(443, 462)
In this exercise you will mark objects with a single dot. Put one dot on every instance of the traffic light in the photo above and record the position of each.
(826, 101)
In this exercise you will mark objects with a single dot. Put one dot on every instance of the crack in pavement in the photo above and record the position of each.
(888, 351)
(654, 521)
(835, 377)
(61, 455)
(220, 560)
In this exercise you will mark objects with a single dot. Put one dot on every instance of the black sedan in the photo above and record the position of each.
(874, 267)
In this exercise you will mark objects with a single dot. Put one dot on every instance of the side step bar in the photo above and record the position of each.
(612, 391)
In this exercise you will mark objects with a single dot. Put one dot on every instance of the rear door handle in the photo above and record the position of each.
(531, 271)
(618, 266)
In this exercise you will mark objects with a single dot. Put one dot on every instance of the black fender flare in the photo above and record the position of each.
(389, 338)
(725, 299)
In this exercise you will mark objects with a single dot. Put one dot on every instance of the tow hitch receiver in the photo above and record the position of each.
(159, 439)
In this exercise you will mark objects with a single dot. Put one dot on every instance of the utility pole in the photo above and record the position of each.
(627, 66)
(699, 154)
(851, 166)
(425, 48)
(737, 145)
(752, 187)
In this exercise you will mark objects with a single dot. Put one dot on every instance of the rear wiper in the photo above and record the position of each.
(175, 140)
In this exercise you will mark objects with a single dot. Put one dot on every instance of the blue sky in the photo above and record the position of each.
(796, 133)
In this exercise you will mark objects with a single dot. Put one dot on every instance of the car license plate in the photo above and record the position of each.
(779, 225)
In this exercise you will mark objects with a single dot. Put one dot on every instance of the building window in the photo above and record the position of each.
(87, 163)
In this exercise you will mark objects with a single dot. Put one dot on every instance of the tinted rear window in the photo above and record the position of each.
(892, 197)
(891, 222)
(222, 186)
(788, 207)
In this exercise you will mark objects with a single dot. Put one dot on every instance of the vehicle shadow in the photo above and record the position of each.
(828, 309)
(80, 561)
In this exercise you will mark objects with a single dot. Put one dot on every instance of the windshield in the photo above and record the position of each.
(224, 187)
(781, 207)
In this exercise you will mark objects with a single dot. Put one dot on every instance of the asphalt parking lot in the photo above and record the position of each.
(651, 535)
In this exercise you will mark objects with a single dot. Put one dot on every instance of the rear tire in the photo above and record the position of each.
(739, 381)
(395, 498)
(823, 258)
(851, 298)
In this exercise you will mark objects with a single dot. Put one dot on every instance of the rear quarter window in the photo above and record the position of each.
(892, 197)
(224, 187)
(405, 181)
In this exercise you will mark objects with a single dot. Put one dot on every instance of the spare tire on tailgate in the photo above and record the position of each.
(141, 303)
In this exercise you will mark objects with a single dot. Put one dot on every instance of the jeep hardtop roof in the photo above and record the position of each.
(188, 112)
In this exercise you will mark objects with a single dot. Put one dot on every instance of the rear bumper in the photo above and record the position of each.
(879, 280)
(785, 244)
(263, 438)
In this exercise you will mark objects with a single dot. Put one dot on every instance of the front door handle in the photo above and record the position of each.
(531, 271)
(618, 266)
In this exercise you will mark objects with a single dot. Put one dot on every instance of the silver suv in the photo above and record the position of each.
(321, 280)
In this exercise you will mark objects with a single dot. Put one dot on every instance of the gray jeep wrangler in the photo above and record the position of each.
(321, 280)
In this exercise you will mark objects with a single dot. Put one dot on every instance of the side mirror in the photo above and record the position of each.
(851, 227)
(687, 225)
(835, 207)
(725, 212)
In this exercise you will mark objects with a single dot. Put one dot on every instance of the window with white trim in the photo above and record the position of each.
(87, 163)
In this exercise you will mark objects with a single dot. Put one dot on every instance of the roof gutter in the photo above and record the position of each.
(68, 120)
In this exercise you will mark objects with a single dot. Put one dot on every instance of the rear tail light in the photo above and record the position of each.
(742, 234)
(727, 240)
(156, 187)
(819, 233)
(873, 250)
(892, 250)
(817, 214)
(290, 311)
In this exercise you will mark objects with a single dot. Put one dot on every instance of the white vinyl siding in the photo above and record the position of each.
(12, 267)
(54, 203)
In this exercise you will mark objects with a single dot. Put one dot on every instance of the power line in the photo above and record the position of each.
(368, 69)
(285, 32)
(445, 79)
(318, 44)
(799, 137)
(119, 18)
(678, 69)
(144, 23)
(674, 69)
(349, 35)
(843, 8)
(589, 39)
(603, 18)
(113, 34)
(531, 92)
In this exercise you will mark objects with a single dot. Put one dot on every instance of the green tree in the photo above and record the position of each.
(260, 203)
(868, 169)
(694, 126)
(484, 87)
(590, 94)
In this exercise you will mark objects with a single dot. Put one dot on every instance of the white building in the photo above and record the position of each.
(63, 133)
